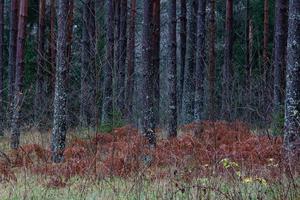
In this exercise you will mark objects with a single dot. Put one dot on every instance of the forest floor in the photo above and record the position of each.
(209, 160)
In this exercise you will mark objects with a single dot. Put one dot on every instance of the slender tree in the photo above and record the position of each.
(60, 100)
(227, 66)
(280, 42)
(13, 32)
(52, 42)
(131, 60)
(292, 98)
(266, 61)
(18, 90)
(189, 77)
(156, 58)
(39, 91)
(147, 117)
(122, 56)
(172, 71)
(1, 63)
(107, 114)
(200, 60)
(182, 46)
(212, 62)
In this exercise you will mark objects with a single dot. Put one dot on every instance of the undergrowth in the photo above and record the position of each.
(209, 160)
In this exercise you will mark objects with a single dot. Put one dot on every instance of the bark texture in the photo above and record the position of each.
(292, 100)
(60, 100)
(131, 62)
(280, 42)
(39, 101)
(211, 112)
(147, 116)
(52, 42)
(18, 90)
(182, 49)
(189, 76)
(1, 64)
(156, 58)
(107, 114)
(200, 60)
(172, 71)
(227, 66)
(13, 32)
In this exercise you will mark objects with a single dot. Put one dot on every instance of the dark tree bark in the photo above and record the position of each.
(52, 42)
(200, 60)
(85, 115)
(227, 73)
(182, 39)
(266, 58)
(122, 57)
(13, 32)
(131, 61)
(172, 71)
(60, 100)
(147, 117)
(280, 41)
(18, 90)
(292, 99)
(247, 59)
(39, 101)
(107, 114)
(189, 85)
(212, 62)
(1, 63)
(156, 58)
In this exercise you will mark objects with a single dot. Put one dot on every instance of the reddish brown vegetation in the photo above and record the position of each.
(197, 152)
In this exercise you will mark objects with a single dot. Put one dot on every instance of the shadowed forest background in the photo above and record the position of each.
(201, 94)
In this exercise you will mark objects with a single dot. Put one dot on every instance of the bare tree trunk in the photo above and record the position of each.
(156, 58)
(200, 60)
(122, 57)
(13, 32)
(182, 38)
(60, 100)
(189, 76)
(292, 99)
(266, 59)
(280, 42)
(39, 102)
(147, 118)
(131, 61)
(1, 64)
(52, 42)
(227, 73)
(107, 114)
(18, 91)
(212, 62)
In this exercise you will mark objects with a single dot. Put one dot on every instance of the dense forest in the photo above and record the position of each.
(80, 71)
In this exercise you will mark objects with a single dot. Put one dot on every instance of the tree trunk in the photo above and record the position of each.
(39, 101)
(13, 32)
(266, 59)
(60, 100)
(52, 42)
(122, 57)
(172, 71)
(131, 61)
(200, 60)
(18, 90)
(189, 85)
(107, 114)
(292, 99)
(227, 74)
(280, 42)
(182, 39)
(156, 58)
(1, 64)
(147, 118)
(212, 62)
(85, 93)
